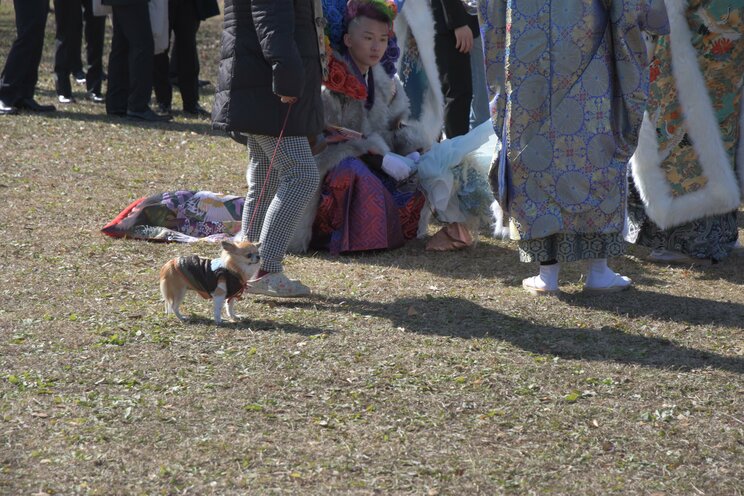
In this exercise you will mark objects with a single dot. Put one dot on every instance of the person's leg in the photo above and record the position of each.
(134, 22)
(457, 84)
(173, 69)
(185, 22)
(256, 176)
(298, 178)
(95, 31)
(546, 282)
(118, 66)
(480, 111)
(161, 82)
(21, 71)
(69, 25)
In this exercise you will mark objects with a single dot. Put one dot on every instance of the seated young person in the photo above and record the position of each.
(368, 201)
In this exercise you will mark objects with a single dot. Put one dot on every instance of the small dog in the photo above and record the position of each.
(221, 280)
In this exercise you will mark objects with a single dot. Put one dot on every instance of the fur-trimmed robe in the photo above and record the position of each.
(712, 186)
(415, 26)
(381, 126)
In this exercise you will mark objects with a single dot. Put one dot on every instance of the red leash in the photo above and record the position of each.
(271, 166)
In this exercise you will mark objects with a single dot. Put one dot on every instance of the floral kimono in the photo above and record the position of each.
(688, 182)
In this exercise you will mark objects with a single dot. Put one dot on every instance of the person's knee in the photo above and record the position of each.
(312, 177)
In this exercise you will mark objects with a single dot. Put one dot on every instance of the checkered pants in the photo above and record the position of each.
(293, 181)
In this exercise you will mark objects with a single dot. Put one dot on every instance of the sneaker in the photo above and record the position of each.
(148, 115)
(164, 109)
(197, 111)
(6, 109)
(279, 285)
(94, 97)
(65, 99)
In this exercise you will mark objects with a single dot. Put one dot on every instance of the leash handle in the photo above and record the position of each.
(271, 166)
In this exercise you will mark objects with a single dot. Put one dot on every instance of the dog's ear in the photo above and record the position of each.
(228, 246)
(257, 245)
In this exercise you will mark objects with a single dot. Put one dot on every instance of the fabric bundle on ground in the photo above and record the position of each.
(182, 216)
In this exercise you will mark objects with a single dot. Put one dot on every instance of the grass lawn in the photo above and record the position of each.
(409, 372)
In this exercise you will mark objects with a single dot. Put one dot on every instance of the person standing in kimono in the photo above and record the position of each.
(571, 81)
(688, 170)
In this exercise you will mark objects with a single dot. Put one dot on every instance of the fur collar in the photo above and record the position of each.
(722, 193)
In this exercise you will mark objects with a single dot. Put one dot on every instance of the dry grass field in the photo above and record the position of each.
(408, 372)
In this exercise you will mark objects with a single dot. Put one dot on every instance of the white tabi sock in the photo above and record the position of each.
(599, 275)
(547, 280)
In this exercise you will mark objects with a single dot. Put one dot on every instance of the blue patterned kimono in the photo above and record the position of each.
(571, 81)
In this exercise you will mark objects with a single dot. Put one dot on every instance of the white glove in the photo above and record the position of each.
(397, 166)
(415, 156)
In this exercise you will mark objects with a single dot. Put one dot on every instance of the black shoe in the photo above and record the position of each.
(164, 109)
(203, 82)
(148, 115)
(34, 106)
(7, 109)
(197, 111)
(94, 97)
(79, 77)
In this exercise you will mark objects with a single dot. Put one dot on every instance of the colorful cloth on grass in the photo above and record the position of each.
(360, 210)
(182, 216)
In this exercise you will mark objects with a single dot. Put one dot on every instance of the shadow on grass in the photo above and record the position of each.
(245, 323)
(492, 260)
(203, 127)
(731, 269)
(640, 303)
(484, 260)
(461, 318)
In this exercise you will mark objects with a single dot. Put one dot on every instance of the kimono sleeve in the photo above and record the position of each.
(631, 65)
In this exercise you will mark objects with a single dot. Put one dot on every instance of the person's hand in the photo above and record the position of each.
(396, 167)
(464, 37)
(287, 99)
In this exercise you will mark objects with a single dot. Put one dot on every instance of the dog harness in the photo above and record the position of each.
(202, 274)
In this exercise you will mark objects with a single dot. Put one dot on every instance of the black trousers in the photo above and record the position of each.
(457, 84)
(21, 71)
(184, 23)
(131, 60)
(68, 16)
(95, 31)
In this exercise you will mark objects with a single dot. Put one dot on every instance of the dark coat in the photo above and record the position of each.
(122, 2)
(452, 14)
(207, 8)
(269, 48)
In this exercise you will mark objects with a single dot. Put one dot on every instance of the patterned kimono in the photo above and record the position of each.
(688, 182)
(571, 78)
